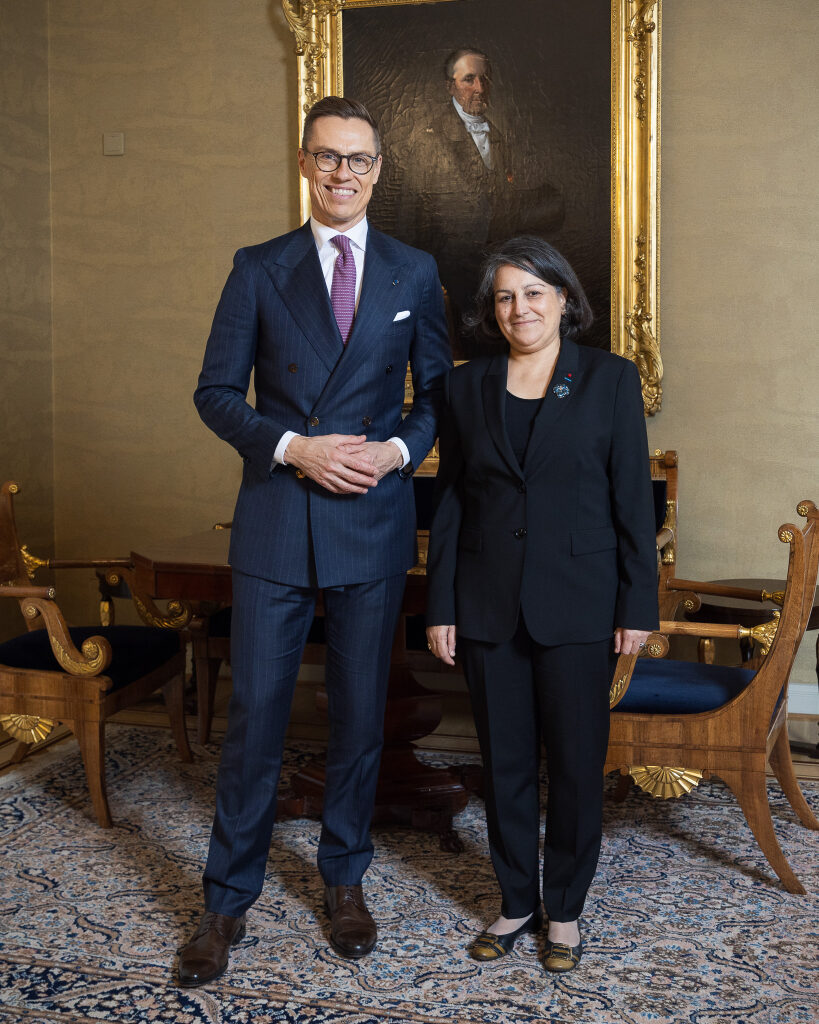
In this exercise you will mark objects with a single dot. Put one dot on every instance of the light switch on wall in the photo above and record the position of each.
(113, 143)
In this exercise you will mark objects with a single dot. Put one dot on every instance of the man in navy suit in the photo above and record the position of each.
(326, 318)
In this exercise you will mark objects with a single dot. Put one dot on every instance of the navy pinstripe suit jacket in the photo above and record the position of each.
(275, 319)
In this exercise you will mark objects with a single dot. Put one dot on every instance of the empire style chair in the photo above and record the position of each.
(80, 676)
(676, 722)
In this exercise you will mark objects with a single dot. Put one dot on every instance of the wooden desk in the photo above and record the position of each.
(409, 793)
(193, 568)
(753, 613)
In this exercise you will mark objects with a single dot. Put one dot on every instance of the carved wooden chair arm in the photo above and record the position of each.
(18, 590)
(33, 563)
(94, 656)
(723, 590)
(87, 563)
(763, 634)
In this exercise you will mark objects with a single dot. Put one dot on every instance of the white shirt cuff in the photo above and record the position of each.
(281, 447)
(403, 449)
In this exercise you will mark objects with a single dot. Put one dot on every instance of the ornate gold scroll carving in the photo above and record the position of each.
(616, 690)
(90, 660)
(177, 616)
(670, 523)
(31, 562)
(762, 634)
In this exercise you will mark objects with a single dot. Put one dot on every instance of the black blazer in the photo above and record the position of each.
(570, 539)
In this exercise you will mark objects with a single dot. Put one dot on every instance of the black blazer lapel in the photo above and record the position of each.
(296, 273)
(494, 408)
(558, 398)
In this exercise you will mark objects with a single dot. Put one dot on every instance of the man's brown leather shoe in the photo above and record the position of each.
(205, 957)
(352, 929)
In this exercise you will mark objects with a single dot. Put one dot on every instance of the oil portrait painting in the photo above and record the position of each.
(496, 121)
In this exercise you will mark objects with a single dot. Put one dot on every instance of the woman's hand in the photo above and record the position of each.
(628, 641)
(441, 641)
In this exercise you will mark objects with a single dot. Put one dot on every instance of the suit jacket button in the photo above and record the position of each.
(520, 532)
(389, 368)
(292, 367)
(522, 489)
(314, 421)
(366, 421)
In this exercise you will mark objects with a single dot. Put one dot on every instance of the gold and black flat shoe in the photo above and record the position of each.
(489, 946)
(561, 958)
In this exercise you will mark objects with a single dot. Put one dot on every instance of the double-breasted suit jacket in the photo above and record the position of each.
(568, 539)
(275, 321)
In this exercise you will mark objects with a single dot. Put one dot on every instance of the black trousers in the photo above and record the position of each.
(522, 692)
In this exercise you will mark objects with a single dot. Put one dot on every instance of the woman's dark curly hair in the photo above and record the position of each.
(544, 261)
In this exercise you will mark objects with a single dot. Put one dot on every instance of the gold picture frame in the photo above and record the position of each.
(635, 156)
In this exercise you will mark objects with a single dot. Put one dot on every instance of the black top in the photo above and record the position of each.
(520, 415)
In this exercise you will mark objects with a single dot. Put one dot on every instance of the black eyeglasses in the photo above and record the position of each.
(359, 163)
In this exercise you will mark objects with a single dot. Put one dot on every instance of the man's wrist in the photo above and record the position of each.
(402, 448)
(281, 448)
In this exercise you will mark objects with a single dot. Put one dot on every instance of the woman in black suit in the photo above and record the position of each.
(542, 561)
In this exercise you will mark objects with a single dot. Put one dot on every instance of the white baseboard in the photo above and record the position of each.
(803, 699)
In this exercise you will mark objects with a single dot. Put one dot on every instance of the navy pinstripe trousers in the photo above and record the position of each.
(270, 626)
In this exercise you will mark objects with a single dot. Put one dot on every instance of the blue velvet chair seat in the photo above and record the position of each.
(661, 686)
(137, 650)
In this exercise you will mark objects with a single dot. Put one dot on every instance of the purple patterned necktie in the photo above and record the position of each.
(342, 290)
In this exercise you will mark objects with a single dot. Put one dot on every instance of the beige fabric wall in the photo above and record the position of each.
(26, 430)
(740, 279)
(205, 93)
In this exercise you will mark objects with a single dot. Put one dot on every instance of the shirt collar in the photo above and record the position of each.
(357, 234)
(477, 120)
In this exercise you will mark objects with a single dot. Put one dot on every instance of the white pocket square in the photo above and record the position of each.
(401, 316)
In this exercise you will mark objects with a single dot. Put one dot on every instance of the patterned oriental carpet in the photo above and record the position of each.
(685, 922)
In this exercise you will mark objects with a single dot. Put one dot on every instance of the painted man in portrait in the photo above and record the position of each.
(467, 179)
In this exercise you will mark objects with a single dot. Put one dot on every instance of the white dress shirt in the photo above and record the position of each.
(328, 254)
(478, 128)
